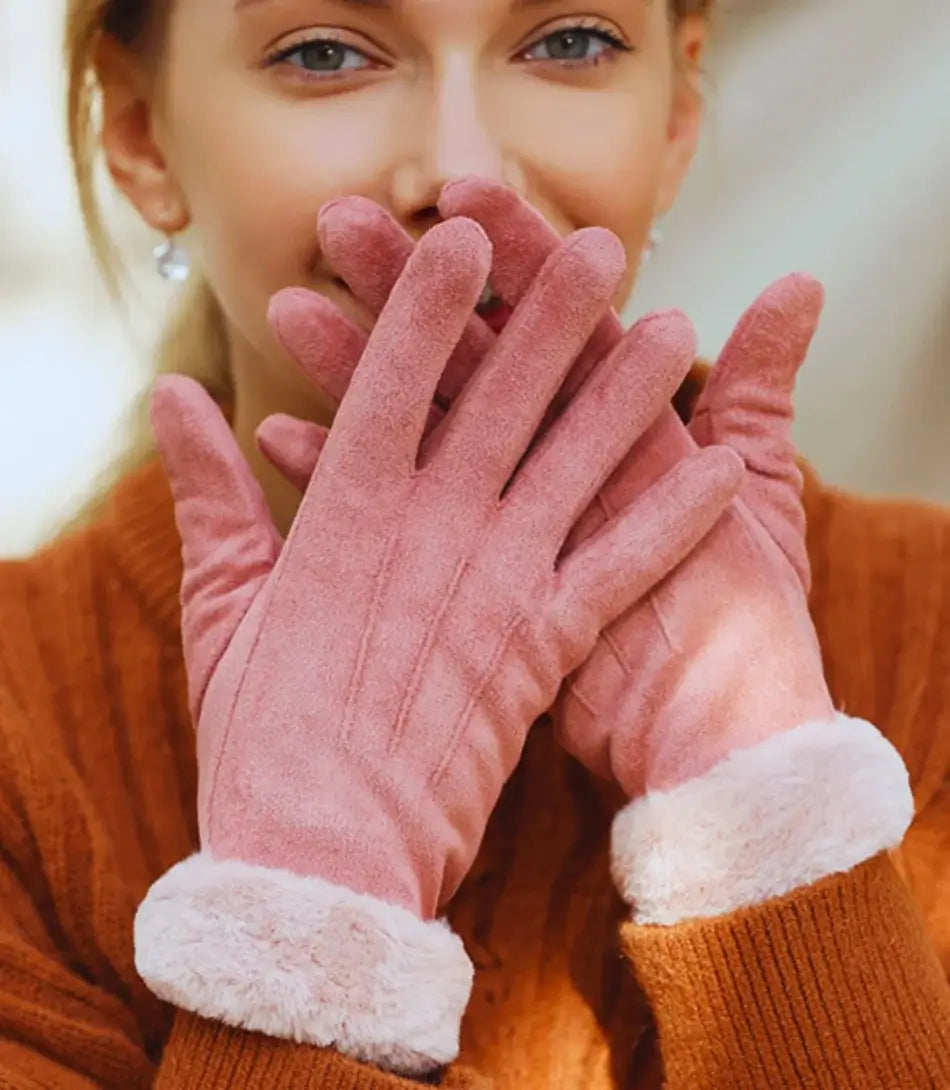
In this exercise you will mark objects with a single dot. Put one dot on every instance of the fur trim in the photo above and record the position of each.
(297, 957)
(812, 801)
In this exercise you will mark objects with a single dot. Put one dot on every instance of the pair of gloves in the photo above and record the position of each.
(491, 528)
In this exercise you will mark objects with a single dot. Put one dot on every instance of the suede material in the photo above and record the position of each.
(362, 691)
(673, 688)
(98, 781)
(669, 689)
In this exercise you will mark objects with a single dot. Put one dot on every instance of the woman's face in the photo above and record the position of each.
(261, 110)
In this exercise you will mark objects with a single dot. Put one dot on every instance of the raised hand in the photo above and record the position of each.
(723, 655)
(362, 690)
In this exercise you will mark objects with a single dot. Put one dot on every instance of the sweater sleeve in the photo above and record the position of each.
(832, 985)
(73, 1013)
(207, 1055)
(61, 1025)
(778, 927)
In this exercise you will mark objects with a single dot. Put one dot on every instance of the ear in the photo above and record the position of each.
(135, 161)
(686, 108)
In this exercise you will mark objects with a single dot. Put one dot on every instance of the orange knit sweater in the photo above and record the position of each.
(839, 985)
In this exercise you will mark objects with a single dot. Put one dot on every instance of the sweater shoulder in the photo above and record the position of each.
(95, 738)
(54, 603)
(73, 629)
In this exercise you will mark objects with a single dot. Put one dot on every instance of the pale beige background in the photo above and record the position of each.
(828, 151)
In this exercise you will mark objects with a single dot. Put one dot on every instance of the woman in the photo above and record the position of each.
(360, 669)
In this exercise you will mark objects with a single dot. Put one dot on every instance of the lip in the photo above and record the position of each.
(350, 305)
(497, 317)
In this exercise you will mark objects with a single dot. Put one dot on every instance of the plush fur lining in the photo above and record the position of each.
(813, 801)
(300, 958)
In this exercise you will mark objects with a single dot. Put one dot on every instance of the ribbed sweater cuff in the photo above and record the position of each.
(205, 1055)
(834, 985)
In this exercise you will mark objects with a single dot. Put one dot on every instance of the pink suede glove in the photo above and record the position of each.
(362, 691)
(707, 700)
(641, 708)
(722, 658)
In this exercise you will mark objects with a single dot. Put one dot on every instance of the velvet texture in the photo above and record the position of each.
(840, 984)
(363, 690)
(722, 656)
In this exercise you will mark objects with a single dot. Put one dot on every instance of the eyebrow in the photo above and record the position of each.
(383, 5)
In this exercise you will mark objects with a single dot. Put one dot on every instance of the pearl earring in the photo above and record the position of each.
(655, 239)
(171, 260)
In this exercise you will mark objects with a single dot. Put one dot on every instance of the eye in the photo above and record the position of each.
(575, 44)
(321, 56)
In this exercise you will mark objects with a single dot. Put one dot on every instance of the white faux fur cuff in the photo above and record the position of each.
(301, 958)
(813, 801)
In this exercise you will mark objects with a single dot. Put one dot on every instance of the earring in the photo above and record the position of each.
(653, 244)
(171, 260)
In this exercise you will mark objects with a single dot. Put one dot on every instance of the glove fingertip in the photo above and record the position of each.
(808, 288)
(602, 249)
(177, 405)
(673, 328)
(725, 466)
(341, 213)
(291, 308)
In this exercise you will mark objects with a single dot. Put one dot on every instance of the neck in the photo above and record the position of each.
(263, 387)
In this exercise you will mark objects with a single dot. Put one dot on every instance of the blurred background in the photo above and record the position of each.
(827, 150)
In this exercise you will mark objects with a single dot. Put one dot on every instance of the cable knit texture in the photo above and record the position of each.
(838, 985)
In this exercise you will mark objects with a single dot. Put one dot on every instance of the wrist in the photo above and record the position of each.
(381, 869)
(345, 837)
(747, 717)
(809, 802)
(300, 958)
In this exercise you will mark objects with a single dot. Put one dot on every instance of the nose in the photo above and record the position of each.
(452, 137)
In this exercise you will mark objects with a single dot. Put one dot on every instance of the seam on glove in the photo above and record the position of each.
(809, 802)
(300, 958)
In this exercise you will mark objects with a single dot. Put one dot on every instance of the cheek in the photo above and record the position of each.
(595, 159)
(255, 175)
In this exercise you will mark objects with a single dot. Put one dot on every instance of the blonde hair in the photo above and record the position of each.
(195, 342)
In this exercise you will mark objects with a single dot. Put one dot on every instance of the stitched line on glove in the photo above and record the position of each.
(611, 641)
(422, 657)
(229, 722)
(584, 702)
(473, 701)
(369, 625)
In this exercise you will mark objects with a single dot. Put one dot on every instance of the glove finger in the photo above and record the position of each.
(380, 422)
(625, 559)
(292, 446)
(492, 424)
(369, 249)
(747, 404)
(323, 342)
(229, 542)
(620, 401)
(522, 240)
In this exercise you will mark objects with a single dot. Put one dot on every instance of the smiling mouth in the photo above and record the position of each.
(493, 310)
(488, 300)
